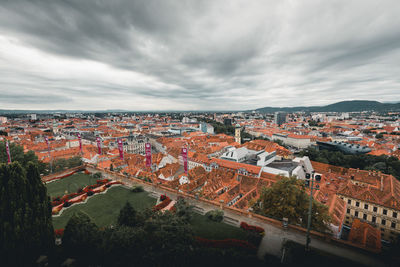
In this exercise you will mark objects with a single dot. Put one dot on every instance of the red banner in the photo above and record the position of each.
(98, 145)
(148, 154)
(80, 142)
(121, 149)
(184, 158)
(8, 153)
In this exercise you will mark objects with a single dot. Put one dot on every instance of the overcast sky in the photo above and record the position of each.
(196, 55)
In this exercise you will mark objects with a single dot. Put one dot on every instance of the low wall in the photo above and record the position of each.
(62, 174)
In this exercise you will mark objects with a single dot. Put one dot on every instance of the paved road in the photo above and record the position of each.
(274, 236)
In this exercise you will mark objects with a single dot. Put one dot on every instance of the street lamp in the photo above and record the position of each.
(317, 178)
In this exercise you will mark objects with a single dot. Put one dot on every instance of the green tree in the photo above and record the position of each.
(184, 210)
(82, 239)
(17, 154)
(25, 215)
(287, 199)
(128, 216)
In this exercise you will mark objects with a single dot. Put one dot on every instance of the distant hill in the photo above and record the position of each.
(343, 106)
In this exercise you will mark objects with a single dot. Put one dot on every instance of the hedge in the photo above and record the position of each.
(252, 228)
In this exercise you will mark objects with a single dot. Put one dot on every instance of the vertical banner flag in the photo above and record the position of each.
(98, 145)
(48, 144)
(121, 149)
(8, 153)
(184, 157)
(80, 142)
(148, 154)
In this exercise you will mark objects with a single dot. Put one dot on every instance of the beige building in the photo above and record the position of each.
(375, 201)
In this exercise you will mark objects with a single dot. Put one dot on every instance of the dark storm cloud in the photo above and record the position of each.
(197, 54)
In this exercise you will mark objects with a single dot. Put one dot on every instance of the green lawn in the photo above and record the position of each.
(70, 184)
(104, 209)
(204, 227)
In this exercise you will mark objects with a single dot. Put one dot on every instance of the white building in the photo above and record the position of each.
(297, 141)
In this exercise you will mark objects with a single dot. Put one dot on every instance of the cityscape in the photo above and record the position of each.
(187, 133)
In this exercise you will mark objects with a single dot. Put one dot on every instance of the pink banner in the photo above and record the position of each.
(80, 142)
(8, 153)
(148, 154)
(98, 145)
(184, 158)
(121, 149)
(47, 142)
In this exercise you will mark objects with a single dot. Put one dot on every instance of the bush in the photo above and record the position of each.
(137, 189)
(252, 228)
(89, 193)
(215, 215)
(66, 204)
(58, 233)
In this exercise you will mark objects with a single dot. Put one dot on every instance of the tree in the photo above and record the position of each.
(128, 216)
(287, 199)
(18, 155)
(25, 215)
(184, 210)
(82, 238)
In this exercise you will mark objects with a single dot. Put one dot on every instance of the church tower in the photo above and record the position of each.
(237, 134)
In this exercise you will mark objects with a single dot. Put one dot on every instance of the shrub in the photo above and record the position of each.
(252, 228)
(66, 204)
(98, 175)
(215, 215)
(89, 193)
(163, 197)
(137, 189)
(58, 233)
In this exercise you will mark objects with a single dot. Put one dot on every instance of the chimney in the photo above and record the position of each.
(381, 183)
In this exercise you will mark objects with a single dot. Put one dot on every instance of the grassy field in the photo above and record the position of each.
(70, 184)
(104, 209)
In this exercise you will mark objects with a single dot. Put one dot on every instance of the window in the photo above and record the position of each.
(357, 204)
(349, 201)
(373, 219)
(384, 212)
(366, 206)
(393, 225)
(375, 209)
(356, 213)
(383, 222)
(365, 216)
(348, 210)
(394, 214)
